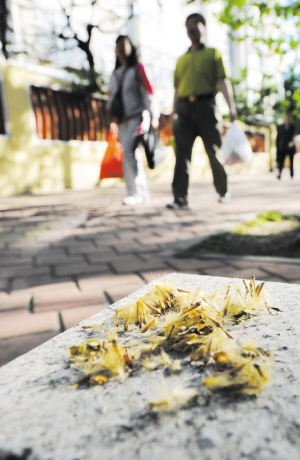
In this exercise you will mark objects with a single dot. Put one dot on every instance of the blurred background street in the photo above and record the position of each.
(65, 256)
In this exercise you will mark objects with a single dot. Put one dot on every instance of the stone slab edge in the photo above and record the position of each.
(44, 420)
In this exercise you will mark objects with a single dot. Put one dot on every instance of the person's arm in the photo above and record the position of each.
(277, 137)
(293, 133)
(151, 109)
(174, 114)
(226, 90)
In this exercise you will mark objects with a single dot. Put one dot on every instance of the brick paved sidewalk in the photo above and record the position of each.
(66, 256)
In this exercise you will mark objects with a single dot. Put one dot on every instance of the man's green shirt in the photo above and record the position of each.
(197, 72)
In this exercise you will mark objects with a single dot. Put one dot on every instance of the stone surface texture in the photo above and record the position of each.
(41, 419)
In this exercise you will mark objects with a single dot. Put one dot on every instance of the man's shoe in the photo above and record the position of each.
(225, 198)
(176, 205)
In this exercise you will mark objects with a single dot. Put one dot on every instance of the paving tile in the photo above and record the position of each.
(26, 249)
(93, 249)
(213, 263)
(56, 296)
(102, 255)
(29, 251)
(145, 234)
(153, 240)
(20, 322)
(61, 259)
(63, 300)
(81, 268)
(185, 235)
(9, 252)
(191, 272)
(24, 283)
(14, 347)
(228, 271)
(50, 251)
(119, 291)
(14, 301)
(284, 271)
(106, 240)
(15, 261)
(91, 234)
(184, 264)
(152, 249)
(127, 225)
(240, 264)
(63, 242)
(51, 237)
(124, 260)
(155, 274)
(80, 248)
(133, 264)
(23, 270)
(103, 282)
(127, 234)
(126, 247)
(73, 316)
(4, 285)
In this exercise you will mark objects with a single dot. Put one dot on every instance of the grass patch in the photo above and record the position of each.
(269, 234)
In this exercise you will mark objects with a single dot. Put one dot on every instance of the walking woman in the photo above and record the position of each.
(137, 95)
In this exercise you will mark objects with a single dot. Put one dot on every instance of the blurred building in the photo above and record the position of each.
(52, 137)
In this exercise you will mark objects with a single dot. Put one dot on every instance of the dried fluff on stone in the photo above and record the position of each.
(173, 321)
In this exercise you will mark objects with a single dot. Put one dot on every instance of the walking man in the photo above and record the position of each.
(199, 74)
(285, 144)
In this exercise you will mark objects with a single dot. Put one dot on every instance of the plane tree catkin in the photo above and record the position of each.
(177, 322)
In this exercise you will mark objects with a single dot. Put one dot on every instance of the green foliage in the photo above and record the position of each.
(291, 102)
(237, 13)
(262, 218)
(256, 16)
(270, 216)
(252, 114)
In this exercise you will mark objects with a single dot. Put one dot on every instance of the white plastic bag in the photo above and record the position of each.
(235, 146)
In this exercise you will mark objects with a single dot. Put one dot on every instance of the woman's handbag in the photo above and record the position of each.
(116, 106)
(153, 149)
(111, 165)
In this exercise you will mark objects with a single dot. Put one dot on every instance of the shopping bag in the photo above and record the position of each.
(111, 165)
(235, 146)
(153, 149)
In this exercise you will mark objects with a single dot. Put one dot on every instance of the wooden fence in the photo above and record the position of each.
(65, 116)
(62, 115)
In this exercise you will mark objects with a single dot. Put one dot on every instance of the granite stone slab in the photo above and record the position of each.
(42, 420)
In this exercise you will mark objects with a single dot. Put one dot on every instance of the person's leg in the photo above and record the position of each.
(281, 158)
(292, 164)
(209, 130)
(184, 134)
(142, 189)
(133, 168)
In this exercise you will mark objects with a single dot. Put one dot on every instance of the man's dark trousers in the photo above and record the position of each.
(281, 158)
(196, 118)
